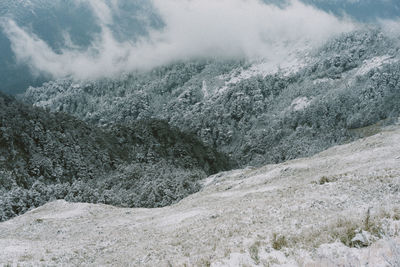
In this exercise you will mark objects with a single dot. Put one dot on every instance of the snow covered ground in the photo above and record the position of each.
(298, 213)
(375, 63)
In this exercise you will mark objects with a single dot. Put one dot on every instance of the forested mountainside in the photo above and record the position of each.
(253, 115)
(46, 155)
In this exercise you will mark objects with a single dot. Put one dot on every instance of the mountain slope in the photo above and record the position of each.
(339, 207)
(252, 111)
(46, 156)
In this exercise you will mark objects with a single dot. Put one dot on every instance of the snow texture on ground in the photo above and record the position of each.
(374, 63)
(296, 213)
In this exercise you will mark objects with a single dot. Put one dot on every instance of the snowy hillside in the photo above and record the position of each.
(256, 112)
(170, 112)
(338, 208)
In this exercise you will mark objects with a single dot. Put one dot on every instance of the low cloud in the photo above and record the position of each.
(391, 27)
(193, 29)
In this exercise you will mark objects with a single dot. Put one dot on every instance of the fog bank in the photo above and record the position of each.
(248, 29)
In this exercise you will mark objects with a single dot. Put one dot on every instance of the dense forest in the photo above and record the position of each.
(46, 156)
(254, 117)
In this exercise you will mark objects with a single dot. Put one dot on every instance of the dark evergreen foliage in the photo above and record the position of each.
(45, 155)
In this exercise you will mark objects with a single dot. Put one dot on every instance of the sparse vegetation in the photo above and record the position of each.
(204, 263)
(324, 180)
(369, 228)
(396, 215)
(347, 233)
(279, 241)
(253, 250)
(367, 220)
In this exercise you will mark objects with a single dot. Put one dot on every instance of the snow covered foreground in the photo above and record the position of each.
(298, 213)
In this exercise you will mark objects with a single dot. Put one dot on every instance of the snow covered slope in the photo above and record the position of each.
(251, 110)
(339, 207)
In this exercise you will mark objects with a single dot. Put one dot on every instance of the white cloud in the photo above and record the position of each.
(391, 27)
(193, 29)
(101, 10)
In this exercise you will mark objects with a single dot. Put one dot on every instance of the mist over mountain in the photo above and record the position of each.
(253, 112)
(62, 25)
(110, 37)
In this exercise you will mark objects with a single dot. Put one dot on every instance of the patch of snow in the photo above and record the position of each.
(336, 254)
(374, 63)
(176, 218)
(265, 68)
(66, 214)
(300, 103)
(323, 80)
(204, 89)
(235, 259)
(293, 63)
(363, 239)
